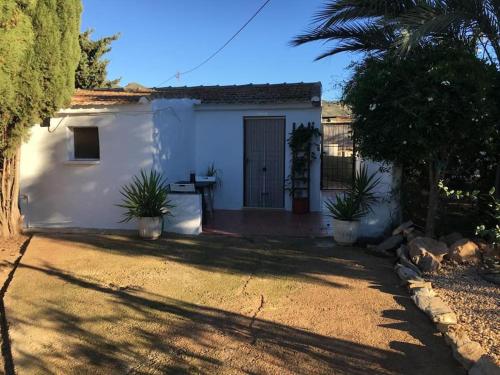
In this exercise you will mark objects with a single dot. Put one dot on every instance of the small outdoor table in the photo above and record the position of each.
(201, 187)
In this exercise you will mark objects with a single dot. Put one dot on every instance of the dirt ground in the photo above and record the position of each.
(10, 250)
(109, 304)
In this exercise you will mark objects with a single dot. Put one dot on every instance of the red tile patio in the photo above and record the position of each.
(268, 222)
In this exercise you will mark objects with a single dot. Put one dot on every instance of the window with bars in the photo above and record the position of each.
(337, 159)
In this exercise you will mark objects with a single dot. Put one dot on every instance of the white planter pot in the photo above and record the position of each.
(345, 232)
(150, 227)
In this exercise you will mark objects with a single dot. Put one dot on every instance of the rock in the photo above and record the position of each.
(402, 251)
(443, 328)
(418, 284)
(399, 230)
(464, 251)
(390, 243)
(427, 253)
(456, 336)
(434, 307)
(378, 253)
(424, 291)
(405, 261)
(421, 245)
(451, 238)
(466, 351)
(468, 354)
(412, 233)
(485, 366)
(406, 273)
(440, 312)
(426, 262)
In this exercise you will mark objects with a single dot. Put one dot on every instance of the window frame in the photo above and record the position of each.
(71, 146)
(334, 121)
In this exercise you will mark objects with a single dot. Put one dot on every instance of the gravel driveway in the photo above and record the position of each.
(110, 304)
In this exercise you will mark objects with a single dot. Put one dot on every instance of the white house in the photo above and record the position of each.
(73, 169)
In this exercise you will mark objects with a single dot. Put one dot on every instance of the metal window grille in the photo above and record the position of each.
(337, 158)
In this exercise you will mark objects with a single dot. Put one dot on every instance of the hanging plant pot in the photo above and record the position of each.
(300, 205)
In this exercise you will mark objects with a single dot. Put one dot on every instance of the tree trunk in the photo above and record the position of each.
(434, 176)
(10, 216)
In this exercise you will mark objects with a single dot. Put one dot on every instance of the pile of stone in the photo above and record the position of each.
(417, 255)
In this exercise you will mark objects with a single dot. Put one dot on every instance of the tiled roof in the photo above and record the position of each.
(246, 94)
(334, 109)
(105, 97)
(236, 94)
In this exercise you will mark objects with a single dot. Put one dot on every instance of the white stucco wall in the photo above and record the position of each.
(60, 193)
(56, 192)
(173, 136)
(219, 139)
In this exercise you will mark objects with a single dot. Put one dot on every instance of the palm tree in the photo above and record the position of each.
(378, 26)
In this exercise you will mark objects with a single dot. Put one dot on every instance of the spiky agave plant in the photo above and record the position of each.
(344, 208)
(146, 196)
(358, 200)
(364, 189)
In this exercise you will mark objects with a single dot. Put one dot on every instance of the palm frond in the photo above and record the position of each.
(343, 11)
(355, 37)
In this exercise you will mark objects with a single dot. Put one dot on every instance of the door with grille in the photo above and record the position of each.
(264, 162)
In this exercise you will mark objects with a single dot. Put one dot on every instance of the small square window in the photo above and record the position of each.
(86, 143)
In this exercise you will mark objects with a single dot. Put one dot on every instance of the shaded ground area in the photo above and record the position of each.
(10, 251)
(104, 304)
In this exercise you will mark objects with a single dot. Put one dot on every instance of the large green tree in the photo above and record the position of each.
(39, 53)
(380, 26)
(431, 108)
(92, 70)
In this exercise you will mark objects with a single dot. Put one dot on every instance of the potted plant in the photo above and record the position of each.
(348, 209)
(215, 174)
(146, 199)
(301, 142)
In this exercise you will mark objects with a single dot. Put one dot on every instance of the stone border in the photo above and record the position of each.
(469, 353)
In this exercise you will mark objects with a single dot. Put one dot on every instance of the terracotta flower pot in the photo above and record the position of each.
(300, 205)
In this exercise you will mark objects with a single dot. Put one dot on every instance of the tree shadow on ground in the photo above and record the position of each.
(300, 258)
(187, 338)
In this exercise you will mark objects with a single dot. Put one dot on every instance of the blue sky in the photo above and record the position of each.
(161, 37)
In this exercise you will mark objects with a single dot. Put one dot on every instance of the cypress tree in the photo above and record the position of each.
(39, 52)
(92, 69)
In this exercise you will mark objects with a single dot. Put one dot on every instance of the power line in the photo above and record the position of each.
(178, 74)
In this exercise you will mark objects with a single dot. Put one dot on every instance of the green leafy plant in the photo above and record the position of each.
(345, 208)
(358, 201)
(212, 171)
(363, 187)
(146, 196)
(491, 233)
(406, 111)
(301, 141)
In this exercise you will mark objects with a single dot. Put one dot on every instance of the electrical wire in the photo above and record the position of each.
(178, 74)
